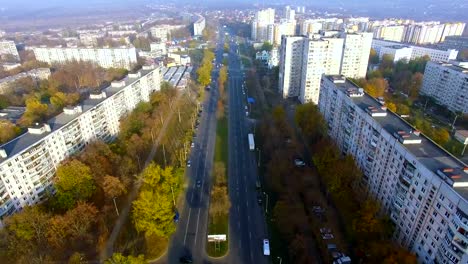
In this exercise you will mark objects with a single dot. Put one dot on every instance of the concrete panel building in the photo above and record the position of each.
(28, 163)
(421, 187)
(447, 83)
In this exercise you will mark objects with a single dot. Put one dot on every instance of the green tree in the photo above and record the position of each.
(118, 258)
(311, 122)
(373, 57)
(267, 46)
(73, 183)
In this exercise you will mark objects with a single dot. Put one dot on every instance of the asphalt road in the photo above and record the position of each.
(190, 236)
(247, 227)
(246, 219)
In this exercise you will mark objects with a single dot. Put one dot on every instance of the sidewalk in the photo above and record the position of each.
(109, 249)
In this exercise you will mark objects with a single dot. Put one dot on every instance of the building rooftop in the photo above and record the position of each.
(424, 149)
(28, 139)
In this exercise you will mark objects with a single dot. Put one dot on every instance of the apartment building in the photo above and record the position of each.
(124, 57)
(8, 47)
(276, 31)
(35, 74)
(397, 52)
(161, 33)
(355, 54)
(419, 185)
(447, 83)
(303, 60)
(28, 162)
(290, 65)
(455, 42)
(199, 26)
(417, 33)
(416, 51)
(259, 25)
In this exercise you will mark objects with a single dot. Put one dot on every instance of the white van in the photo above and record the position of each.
(266, 247)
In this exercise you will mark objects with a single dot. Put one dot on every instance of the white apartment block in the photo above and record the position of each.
(290, 66)
(397, 52)
(356, 55)
(289, 14)
(8, 47)
(321, 56)
(199, 26)
(276, 31)
(303, 60)
(416, 33)
(447, 83)
(262, 19)
(160, 32)
(104, 57)
(419, 185)
(28, 162)
(417, 51)
(310, 27)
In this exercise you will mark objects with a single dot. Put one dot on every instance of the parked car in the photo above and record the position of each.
(327, 236)
(299, 163)
(185, 259)
(198, 183)
(259, 199)
(192, 145)
(189, 163)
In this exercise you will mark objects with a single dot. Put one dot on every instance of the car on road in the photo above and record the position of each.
(186, 259)
(189, 163)
(299, 163)
(259, 199)
(327, 236)
(198, 183)
(266, 247)
(192, 145)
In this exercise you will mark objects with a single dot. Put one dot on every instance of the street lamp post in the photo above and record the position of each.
(116, 209)
(266, 206)
(280, 259)
(258, 160)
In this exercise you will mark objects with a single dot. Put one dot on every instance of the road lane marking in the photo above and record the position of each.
(250, 235)
(186, 227)
(196, 231)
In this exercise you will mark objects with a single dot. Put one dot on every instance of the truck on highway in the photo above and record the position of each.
(251, 141)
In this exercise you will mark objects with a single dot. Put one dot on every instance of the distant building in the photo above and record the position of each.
(10, 66)
(36, 74)
(397, 52)
(416, 51)
(160, 32)
(199, 26)
(455, 42)
(12, 113)
(90, 39)
(105, 57)
(259, 25)
(28, 163)
(180, 59)
(269, 58)
(158, 48)
(303, 60)
(447, 83)
(8, 47)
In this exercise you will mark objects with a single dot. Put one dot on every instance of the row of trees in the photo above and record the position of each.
(204, 70)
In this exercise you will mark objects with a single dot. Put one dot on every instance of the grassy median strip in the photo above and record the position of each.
(220, 203)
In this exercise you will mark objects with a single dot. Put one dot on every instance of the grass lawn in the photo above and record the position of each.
(220, 224)
(218, 227)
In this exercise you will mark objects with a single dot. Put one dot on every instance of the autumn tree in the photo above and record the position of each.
(8, 131)
(309, 119)
(24, 235)
(373, 57)
(118, 258)
(113, 187)
(158, 185)
(220, 202)
(35, 112)
(73, 182)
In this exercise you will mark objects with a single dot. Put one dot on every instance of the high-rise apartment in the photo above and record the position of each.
(8, 47)
(104, 57)
(263, 18)
(421, 187)
(356, 54)
(337, 53)
(28, 162)
(447, 83)
(199, 26)
(289, 13)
